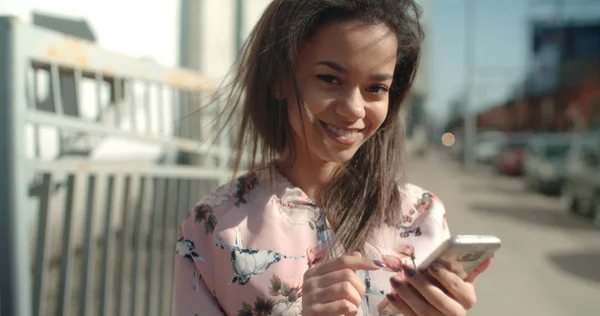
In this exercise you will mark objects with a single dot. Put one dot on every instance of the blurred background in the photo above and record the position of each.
(104, 150)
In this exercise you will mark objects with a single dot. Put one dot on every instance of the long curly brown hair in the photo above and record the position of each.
(363, 192)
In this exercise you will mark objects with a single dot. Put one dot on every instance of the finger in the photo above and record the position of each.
(337, 292)
(434, 281)
(356, 254)
(412, 298)
(345, 275)
(463, 292)
(400, 305)
(344, 262)
(433, 294)
(342, 307)
(480, 269)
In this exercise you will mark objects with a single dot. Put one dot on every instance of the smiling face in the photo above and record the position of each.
(344, 74)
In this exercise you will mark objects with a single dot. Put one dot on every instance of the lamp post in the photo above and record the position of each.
(470, 120)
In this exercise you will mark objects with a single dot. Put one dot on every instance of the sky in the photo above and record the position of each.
(502, 46)
(500, 28)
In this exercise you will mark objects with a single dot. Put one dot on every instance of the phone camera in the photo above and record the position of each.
(470, 256)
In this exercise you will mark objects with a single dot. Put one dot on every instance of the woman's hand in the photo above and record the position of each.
(415, 295)
(333, 288)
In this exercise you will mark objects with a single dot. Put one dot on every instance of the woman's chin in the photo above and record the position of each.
(342, 156)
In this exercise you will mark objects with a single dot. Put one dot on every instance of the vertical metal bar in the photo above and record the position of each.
(31, 90)
(183, 201)
(118, 93)
(171, 239)
(137, 249)
(15, 276)
(166, 248)
(98, 82)
(73, 201)
(155, 236)
(42, 249)
(57, 100)
(132, 105)
(185, 112)
(198, 121)
(177, 113)
(124, 264)
(114, 204)
(122, 245)
(36, 128)
(193, 197)
(147, 222)
(55, 84)
(95, 202)
(77, 77)
(160, 109)
(181, 209)
(147, 110)
(224, 150)
(32, 103)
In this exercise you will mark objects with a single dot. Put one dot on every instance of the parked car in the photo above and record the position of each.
(510, 159)
(581, 192)
(488, 146)
(544, 162)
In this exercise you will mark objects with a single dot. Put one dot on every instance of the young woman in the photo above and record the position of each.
(320, 225)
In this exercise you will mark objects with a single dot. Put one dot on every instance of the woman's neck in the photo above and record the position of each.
(307, 174)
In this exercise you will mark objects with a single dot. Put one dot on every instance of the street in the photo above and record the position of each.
(549, 263)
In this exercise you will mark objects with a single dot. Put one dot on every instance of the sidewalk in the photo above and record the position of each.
(549, 262)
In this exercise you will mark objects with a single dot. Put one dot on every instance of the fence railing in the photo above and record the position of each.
(90, 185)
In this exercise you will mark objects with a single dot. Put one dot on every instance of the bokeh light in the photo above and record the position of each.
(448, 139)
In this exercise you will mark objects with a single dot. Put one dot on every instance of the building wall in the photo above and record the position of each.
(217, 33)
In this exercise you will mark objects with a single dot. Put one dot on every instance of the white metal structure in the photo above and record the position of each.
(95, 236)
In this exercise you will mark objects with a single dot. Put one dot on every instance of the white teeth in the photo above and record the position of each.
(342, 132)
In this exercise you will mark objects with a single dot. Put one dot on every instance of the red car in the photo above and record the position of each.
(510, 159)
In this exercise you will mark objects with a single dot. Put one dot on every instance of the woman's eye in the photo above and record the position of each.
(378, 89)
(329, 79)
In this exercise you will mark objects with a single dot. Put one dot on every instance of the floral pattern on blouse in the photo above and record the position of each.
(244, 247)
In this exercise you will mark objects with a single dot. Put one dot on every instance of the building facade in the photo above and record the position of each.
(562, 90)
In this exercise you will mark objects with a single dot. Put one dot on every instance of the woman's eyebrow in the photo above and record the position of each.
(382, 76)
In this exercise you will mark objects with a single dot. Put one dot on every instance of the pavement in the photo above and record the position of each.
(549, 263)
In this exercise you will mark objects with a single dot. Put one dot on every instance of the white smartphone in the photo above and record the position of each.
(460, 254)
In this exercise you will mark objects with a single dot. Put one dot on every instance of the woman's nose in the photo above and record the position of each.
(352, 107)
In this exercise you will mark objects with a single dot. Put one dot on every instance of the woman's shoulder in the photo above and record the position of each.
(420, 205)
(421, 228)
(231, 195)
(420, 197)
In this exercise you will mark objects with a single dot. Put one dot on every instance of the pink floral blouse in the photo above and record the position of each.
(244, 248)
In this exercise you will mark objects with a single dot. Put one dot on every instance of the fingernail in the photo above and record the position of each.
(410, 271)
(396, 282)
(435, 267)
(391, 298)
(379, 263)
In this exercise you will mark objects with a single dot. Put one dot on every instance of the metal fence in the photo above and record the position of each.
(87, 223)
